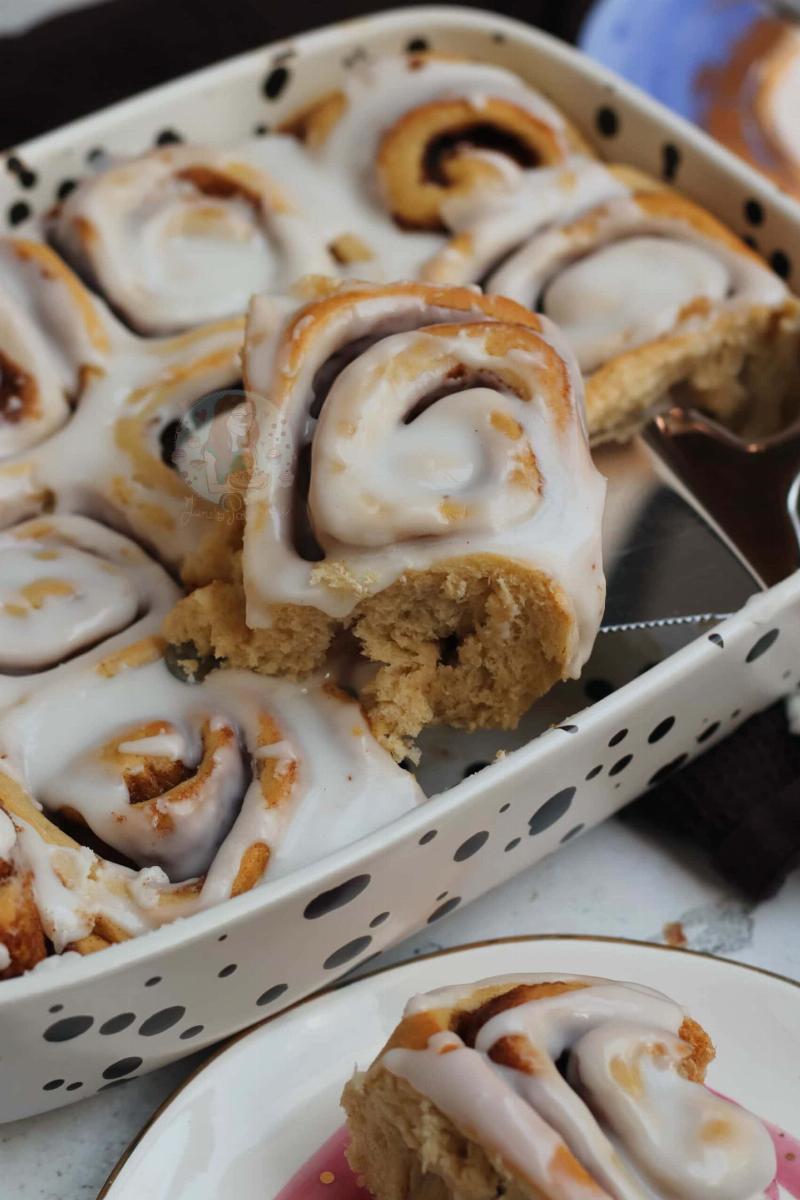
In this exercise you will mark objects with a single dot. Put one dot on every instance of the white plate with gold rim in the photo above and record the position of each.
(261, 1108)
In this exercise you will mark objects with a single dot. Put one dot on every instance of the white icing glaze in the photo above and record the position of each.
(45, 345)
(122, 413)
(8, 836)
(71, 588)
(637, 1126)
(494, 221)
(170, 250)
(72, 744)
(622, 279)
(380, 91)
(380, 490)
(5, 957)
(339, 206)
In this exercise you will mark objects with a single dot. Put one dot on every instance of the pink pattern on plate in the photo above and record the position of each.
(787, 1152)
(326, 1175)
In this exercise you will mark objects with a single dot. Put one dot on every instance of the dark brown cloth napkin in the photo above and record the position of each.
(740, 802)
(83, 60)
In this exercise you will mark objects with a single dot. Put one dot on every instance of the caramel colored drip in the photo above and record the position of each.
(19, 395)
(564, 1163)
(33, 596)
(349, 248)
(313, 123)
(699, 307)
(517, 1052)
(213, 183)
(628, 1076)
(468, 1024)
(136, 655)
(526, 473)
(252, 866)
(506, 424)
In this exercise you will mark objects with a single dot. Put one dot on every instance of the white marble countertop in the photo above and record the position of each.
(616, 880)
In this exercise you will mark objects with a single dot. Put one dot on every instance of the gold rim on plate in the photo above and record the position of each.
(501, 941)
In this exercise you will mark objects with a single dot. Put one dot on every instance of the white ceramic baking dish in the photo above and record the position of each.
(77, 1025)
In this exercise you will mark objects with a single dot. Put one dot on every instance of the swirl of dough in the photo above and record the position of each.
(419, 128)
(52, 338)
(149, 422)
(71, 589)
(195, 792)
(565, 1087)
(652, 292)
(184, 235)
(490, 224)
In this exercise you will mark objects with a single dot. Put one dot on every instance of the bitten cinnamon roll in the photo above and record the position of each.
(550, 1088)
(129, 798)
(71, 589)
(426, 483)
(652, 293)
(420, 128)
(52, 339)
(185, 235)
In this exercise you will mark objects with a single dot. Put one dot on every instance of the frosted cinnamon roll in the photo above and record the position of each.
(185, 235)
(420, 128)
(172, 477)
(52, 339)
(129, 798)
(652, 293)
(427, 483)
(550, 1087)
(490, 224)
(71, 589)
(160, 424)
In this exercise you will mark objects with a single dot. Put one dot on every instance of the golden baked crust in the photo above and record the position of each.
(403, 1146)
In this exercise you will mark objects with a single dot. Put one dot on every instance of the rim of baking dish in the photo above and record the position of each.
(756, 613)
(516, 939)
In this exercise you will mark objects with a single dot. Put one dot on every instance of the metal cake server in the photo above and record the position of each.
(697, 521)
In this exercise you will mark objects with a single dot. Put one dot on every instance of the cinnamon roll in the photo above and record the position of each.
(149, 422)
(654, 294)
(185, 235)
(129, 798)
(427, 483)
(71, 589)
(488, 225)
(419, 128)
(52, 339)
(550, 1086)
